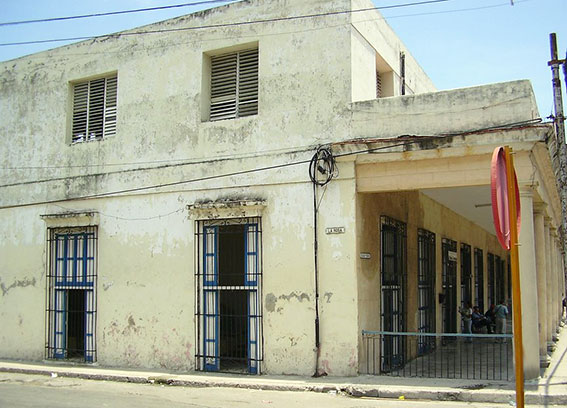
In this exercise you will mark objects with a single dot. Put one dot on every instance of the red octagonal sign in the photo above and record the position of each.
(500, 201)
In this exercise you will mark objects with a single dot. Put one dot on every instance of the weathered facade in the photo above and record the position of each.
(156, 207)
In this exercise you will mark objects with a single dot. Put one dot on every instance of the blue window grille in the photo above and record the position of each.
(71, 294)
(228, 303)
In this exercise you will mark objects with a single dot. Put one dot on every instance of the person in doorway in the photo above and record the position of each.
(489, 314)
(500, 314)
(466, 314)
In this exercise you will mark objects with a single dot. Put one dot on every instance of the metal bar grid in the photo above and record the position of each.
(479, 279)
(70, 308)
(426, 289)
(228, 310)
(449, 284)
(393, 289)
(477, 356)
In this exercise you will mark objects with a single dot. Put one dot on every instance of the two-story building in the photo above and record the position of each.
(249, 187)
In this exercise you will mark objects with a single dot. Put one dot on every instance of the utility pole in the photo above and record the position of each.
(559, 122)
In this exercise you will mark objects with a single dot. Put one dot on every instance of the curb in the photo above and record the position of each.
(355, 391)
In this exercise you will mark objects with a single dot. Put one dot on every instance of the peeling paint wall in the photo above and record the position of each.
(309, 71)
(22, 284)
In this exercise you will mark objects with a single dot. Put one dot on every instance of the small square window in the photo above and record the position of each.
(94, 109)
(234, 85)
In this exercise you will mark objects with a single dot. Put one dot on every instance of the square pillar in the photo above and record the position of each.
(528, 286)
(541, 266)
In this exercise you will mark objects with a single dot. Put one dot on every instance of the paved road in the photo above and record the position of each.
(23, 391)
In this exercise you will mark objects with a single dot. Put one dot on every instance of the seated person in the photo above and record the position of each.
(479, 321)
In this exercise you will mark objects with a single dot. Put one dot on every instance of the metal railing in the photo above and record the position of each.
(439, 355)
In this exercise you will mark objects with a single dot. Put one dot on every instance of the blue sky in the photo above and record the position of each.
(458, 42)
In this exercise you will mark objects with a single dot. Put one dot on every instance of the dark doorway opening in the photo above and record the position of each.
(76, 323)
(233, 298)
(233, 330)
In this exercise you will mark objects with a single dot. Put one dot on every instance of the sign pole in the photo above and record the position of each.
(515, 269)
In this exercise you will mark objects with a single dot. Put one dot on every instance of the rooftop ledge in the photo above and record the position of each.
(442, 112)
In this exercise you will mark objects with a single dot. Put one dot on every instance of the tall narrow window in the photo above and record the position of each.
(479, 279)
(466, 275)
(449, 275)
(491, 279)
(94, 109)
(228, 308)
(71, 294)
(500, 268)
(234, 85)
(426, 289)
(393, 284)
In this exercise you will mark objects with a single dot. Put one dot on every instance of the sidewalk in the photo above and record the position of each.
(550, 389)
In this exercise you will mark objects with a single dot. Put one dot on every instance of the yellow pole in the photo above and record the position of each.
(516, 293)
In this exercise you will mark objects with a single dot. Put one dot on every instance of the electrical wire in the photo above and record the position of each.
(112, 13)
(172, 162)
(418, 139)
(154, 217)
(322, 163)
(224, 25)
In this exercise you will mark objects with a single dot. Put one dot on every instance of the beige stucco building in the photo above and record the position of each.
(157, 211)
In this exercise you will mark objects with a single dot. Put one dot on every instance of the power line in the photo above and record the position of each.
(171, 162)
(420, 138)
(224, 25)
(112, 13)
(429, 13)
(162, 167)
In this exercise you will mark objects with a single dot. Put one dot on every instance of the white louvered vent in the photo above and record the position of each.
(94, 109)
(234, 85)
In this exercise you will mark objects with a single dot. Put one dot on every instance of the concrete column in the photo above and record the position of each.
(549, 284)
(561, 270)
(558, 283)
(553, 292)
(528, 285)
(541, 266)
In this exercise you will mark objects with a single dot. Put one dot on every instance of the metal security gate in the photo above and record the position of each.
(479, 279)
(500, 290)
(491, 287)
(228, 302)
(426, 289)
(393, 281)
(71, 294)
(449, 276)
(466, 275)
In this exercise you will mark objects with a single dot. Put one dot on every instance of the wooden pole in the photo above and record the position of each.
(515, 269)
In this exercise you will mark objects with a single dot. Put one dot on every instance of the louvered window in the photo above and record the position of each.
(94, 109)
(234, 85)
(378, 85)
